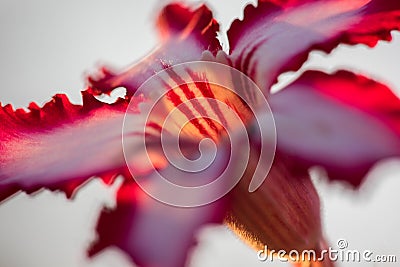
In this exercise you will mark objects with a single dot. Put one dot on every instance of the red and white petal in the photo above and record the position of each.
(151, 233)
(277, 36)
(185, 34)
(343, 122)
(60, 145)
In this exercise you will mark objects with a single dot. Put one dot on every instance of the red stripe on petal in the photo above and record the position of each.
(205, 90)
(155, 126)
(190, 95)
(177, 102)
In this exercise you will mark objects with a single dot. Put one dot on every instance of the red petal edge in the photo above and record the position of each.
(343, 122)
(153, 234)
(60, 145)
(277, 36)
(185, 34)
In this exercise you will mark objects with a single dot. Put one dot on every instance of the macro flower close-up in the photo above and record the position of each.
(204, 131)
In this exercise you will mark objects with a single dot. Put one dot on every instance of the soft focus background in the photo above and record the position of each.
(47, 46)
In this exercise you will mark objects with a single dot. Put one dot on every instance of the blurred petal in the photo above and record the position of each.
(153, 234)
(185, 34)
(343, 122)
(277, 35)
(60, 145)
(283, 214)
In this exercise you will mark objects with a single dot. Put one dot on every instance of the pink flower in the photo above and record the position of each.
(343, 122)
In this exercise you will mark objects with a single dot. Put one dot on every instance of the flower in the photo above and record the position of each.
(262, 46)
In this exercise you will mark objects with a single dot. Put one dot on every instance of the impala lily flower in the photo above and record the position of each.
(343, 122)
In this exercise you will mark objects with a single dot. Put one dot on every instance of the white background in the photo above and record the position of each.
(46, 47)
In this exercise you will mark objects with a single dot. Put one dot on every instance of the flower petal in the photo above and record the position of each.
(153, 234)
(60, 145)
(185, 34)
(283, 214)
(277, 35)
(343, 122)
(144, 227)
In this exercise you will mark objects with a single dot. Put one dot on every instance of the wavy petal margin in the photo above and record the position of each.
(277, 36)
(343, 122)
(60, 145)
(185, 34)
